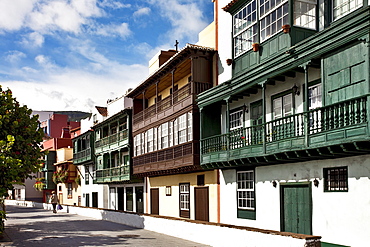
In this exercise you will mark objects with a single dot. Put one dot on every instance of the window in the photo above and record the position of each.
(315, 101)
(69, 194)
(200, 180)
(164, 135)
(149, 141)
(190, 126)
(245, 28)
(236, 119)
(182, 123)
(282, 106)
(336, 179)
(87, 176)
(305, 13)
(314, 96)
(245, 190)
(185, 197)
(273, 15)
(343, 7)
(168, 191)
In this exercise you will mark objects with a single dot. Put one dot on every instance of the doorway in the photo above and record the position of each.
(154, 201)
(201, 203)
(296, 208)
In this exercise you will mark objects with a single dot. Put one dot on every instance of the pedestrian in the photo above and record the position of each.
(54, 201)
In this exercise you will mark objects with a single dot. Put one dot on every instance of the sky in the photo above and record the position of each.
(58, 55)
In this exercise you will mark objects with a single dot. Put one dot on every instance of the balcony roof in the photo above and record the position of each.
(230, 5)
(172, 63)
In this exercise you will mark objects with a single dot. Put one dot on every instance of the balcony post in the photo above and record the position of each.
(263, 85)
(156, 97)
(306, 115)
(143, 106)
(172, 85)
(200, 131)
(227, 124)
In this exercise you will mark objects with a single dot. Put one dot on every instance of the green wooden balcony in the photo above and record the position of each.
(115, 174)
(82, 156)
(338, 129)
(114, 140)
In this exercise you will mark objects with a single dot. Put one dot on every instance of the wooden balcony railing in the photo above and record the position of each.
(113, 172)
(166, 103)
(167, 154)
(120, 136)
(82, 154)
(340, 115)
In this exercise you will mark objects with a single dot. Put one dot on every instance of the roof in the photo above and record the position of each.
(175, 59)
(102, 110)
(229, 5)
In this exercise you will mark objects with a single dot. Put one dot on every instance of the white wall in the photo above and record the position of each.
(102, 189)
(207, 233)
(224, 41)
(339, 217)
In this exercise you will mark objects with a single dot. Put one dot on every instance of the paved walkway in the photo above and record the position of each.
(33, 227)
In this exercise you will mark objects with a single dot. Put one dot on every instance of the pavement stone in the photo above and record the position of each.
(31, 227)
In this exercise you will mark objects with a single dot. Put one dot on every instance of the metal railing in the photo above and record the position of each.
(339, 115)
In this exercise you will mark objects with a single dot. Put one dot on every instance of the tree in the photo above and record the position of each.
(20, 139)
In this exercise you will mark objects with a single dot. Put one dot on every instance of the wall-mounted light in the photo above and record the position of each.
(274, 183)
(245, 108)
(295, 89)
(316, 182)
(229, 61)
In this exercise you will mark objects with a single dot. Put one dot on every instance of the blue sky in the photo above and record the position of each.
(76, 54)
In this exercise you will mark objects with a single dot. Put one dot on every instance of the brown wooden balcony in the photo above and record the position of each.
(180, 99)
(326, 131)
(180, 158)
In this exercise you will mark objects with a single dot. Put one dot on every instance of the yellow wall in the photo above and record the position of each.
(166, 92)
(169, 205)
(76, 192)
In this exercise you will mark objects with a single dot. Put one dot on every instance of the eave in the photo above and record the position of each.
(168, 66)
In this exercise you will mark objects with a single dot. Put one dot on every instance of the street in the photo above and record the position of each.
(31, 227)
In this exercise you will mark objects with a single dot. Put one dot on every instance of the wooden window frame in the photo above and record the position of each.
(336, 179)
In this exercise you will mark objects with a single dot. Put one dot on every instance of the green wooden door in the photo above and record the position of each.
(296, 209)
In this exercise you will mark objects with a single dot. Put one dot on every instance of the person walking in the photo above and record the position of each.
(54, 201)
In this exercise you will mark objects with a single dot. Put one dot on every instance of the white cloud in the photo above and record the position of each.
(33, 39)
(45, 63)
(122, 30)
(13, 13)
(113, 4)
(141, 12)
(76, 90)
(14, 56)
(187, 18)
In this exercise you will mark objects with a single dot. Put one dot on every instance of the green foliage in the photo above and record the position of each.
(2, 215)
(20, 138)
(39, 186)
(78, 180)
(60, 176)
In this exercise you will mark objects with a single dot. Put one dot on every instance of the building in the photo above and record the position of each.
(165, 131)
(288, 124)
(84, 160)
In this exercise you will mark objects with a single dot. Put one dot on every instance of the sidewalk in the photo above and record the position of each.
(33, 227)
